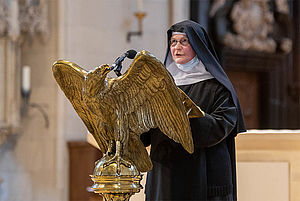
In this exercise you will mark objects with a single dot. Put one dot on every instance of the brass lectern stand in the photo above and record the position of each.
(116, 111)
(113, 186)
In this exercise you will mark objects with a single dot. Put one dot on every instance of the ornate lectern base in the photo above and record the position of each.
(117, 196)
(113, 186)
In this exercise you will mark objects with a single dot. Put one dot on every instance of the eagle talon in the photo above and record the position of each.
(118, 160)
(111, 148)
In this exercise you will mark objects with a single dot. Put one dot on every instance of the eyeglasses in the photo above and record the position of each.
(183, 42)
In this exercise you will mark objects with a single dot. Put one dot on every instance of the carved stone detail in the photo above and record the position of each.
(252, 23)
(23, 17)
(255, 26)
(282, 6)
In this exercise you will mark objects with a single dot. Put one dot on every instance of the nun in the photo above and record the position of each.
(209, 174)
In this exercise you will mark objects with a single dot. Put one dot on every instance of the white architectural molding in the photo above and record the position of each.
(9, 88)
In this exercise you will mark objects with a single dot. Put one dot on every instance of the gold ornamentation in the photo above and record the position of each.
(118, 110)
(113, 185)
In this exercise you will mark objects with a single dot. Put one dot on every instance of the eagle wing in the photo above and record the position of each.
(70, 77)
(149, 98)
(192, 110)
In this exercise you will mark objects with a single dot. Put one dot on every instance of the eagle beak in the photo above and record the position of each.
(107, 69)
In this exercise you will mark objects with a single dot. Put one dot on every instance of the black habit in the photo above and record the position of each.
(210, 171)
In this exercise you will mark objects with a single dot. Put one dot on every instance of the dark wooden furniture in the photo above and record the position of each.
(82, 158)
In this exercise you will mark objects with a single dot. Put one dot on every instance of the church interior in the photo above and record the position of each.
(44, 151)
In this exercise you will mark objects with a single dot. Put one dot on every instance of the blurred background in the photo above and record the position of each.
(44, 155)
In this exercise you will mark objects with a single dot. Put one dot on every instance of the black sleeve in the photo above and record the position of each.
(218, 124)
(146, 137)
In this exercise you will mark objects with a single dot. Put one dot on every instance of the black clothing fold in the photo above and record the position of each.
(178, 175)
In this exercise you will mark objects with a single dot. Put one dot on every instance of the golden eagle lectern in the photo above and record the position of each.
(116, 111)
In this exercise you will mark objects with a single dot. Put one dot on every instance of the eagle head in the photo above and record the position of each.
(95, 80)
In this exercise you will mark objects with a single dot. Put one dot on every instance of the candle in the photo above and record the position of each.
(26, 78)
(140, 5)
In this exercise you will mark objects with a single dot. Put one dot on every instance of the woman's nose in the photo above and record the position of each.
(178, 45)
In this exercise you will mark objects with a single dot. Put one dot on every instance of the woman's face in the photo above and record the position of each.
(181, 50)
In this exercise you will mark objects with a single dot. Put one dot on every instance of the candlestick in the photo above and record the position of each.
(139, 16)
(26, 78)
(140, 5)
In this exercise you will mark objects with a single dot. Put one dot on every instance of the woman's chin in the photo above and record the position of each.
(180, 61)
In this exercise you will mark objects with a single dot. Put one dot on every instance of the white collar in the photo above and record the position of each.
(193, 72)
(189, 65)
